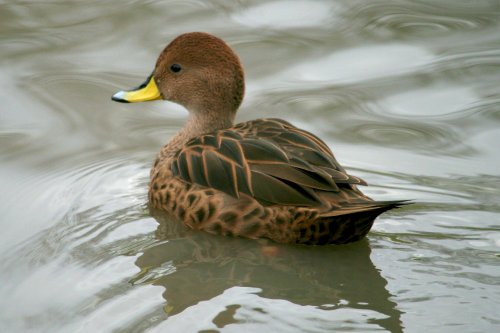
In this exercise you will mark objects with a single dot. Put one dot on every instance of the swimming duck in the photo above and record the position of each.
(263, 178)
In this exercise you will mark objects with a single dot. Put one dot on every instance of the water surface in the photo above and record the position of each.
(405, 92)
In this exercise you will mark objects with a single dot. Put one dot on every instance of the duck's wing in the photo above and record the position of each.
(268, 159)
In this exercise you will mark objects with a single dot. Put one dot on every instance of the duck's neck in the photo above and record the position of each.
(197, 124)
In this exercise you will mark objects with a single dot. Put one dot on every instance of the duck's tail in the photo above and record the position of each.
(346, 225)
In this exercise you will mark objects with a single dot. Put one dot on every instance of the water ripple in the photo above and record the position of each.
(427, 138)
(286, 15)
(410, 18)
(361, 63)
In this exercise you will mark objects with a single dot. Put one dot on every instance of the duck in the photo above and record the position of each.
(263, 178)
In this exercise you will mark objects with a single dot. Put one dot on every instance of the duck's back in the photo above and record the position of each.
(268, 159)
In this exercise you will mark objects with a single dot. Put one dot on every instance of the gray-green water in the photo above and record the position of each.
(405, 92)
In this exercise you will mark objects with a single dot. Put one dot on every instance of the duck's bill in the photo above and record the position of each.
(148, 91)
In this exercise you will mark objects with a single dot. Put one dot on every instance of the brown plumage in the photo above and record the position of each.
(261, 178)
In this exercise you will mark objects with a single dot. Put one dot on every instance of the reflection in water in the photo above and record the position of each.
(194, 266)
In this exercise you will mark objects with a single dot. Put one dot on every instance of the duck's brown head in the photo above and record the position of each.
(198, 71)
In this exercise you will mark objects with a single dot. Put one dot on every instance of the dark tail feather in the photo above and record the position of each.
(348, 225)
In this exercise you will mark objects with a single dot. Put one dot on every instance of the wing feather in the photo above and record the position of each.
(272, 190)
(219, 172)
(261, 150)
(268, 159)
(296, 175)
(196, 170)
(231, 149)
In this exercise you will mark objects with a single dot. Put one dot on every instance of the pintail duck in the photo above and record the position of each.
(263, 178)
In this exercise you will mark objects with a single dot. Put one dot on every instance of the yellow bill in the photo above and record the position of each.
(148, 91)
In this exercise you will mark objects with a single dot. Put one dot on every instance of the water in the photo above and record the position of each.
(405, 92)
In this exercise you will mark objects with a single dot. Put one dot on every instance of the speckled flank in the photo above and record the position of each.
(219, 213)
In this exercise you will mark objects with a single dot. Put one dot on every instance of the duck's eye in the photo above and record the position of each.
(176, 68)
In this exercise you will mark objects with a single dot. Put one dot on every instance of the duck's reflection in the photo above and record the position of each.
(194, 266)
